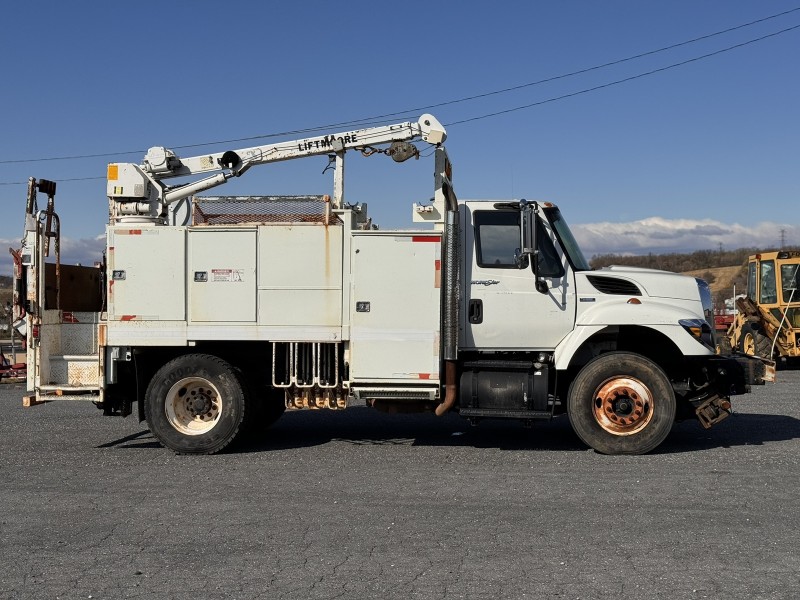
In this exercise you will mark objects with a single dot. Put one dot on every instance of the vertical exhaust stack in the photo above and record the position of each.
(451, 259)
(450, 264)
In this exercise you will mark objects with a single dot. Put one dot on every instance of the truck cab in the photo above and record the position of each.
(536, 317)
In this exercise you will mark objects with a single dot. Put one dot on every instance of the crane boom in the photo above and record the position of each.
(138, 191)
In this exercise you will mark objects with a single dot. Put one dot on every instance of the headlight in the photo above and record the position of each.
(699, 330)
(706, 301)
(708, 307)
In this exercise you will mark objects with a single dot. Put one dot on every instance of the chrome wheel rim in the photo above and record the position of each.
(749, 344)
(623, 406)
(193, 406)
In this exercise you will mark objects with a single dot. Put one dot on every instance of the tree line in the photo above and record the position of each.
(677, 261)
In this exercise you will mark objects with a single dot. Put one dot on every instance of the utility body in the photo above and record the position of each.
(216, 314)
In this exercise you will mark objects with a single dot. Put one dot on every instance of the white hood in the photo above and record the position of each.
(654, 283)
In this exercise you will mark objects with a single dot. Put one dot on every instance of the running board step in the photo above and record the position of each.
(60, 394)
(501, 413)
(386, 393)
(60, 390)
(72, 370)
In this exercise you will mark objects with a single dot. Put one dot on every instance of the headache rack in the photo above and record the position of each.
(240, 210)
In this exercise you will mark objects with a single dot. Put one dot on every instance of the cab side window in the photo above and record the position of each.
(751, 282)
(769, 292)
(789, 283)
(496, 238)
(497, 243)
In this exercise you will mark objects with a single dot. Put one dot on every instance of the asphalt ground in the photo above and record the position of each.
(359, 504)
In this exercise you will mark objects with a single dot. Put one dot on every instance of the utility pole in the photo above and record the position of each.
(783, 238)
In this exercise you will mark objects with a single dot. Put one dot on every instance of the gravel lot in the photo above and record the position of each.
(359, 504)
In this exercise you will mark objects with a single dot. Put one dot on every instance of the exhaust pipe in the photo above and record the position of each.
(450, 387)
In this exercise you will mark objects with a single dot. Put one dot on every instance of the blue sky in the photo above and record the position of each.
(689, 158)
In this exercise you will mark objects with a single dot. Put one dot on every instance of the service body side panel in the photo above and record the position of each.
(222, 275)
(147, 268)
(396, 306)
(300, 277)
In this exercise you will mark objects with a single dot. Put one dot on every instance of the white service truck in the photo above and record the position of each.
(217, 314)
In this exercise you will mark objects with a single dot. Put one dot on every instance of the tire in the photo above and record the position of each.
(196, 404)
(621, 403)
(753, 342)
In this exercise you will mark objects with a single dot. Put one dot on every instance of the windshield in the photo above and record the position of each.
(564, 234)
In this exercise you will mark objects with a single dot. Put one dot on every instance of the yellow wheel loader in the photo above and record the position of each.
(767, 323)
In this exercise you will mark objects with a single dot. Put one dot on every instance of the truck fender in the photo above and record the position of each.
(649, 312)
(567, 347)
(656, 316)
(676, 334)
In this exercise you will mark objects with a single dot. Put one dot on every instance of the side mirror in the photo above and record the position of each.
(529, 213)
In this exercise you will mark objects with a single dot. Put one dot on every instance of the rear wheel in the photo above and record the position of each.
(621, 403)
(753, 342)
(195, 404)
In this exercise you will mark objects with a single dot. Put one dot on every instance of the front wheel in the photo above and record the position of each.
(621, 403)
(195, 404)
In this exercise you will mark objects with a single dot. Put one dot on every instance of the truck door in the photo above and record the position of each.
(503, 309)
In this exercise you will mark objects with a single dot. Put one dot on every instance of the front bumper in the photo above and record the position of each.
(728, 376)
(733, 375)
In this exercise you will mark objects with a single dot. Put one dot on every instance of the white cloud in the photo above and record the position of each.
(6, 261)
(83, 251)
(659, 235)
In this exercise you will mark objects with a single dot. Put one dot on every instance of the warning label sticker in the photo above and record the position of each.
(227, 274)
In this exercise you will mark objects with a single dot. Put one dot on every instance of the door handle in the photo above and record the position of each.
(475, 311)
